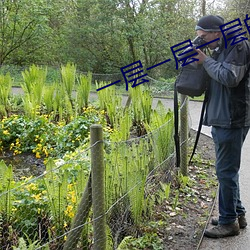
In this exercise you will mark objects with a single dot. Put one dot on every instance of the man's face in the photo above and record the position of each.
(209, 36)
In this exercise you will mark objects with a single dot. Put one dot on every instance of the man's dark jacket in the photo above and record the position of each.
(228, 103)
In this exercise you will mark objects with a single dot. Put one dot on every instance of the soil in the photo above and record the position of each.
(25, 164)
(178, 220)
(186, 223)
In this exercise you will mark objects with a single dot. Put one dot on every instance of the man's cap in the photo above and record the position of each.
(210, 23)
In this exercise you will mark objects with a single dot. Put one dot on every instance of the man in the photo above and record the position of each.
(228, 112)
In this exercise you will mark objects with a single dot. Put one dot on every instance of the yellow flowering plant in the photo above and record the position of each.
(30, 205)
(44, 137)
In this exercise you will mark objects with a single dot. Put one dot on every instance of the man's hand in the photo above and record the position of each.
(201, 56)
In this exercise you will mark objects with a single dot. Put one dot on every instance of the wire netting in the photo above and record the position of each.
(46, 210)
(40, 211)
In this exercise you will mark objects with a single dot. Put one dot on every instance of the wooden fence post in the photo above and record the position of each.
(80, 218)
(98, 195)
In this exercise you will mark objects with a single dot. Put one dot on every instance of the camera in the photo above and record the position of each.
(185, 54)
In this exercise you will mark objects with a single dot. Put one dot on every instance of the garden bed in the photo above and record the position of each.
(178, 222)
(25, 164)
(185, 226)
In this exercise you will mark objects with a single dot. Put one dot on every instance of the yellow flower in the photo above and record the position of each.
(31, 187)
(45, 151)
(16, 152)
(38, 156)
(12, 145)
(69, 211)
(73, 199)
(26, 178)
(71, 194)
(37, 196)
(102, 112)
(6, 132)
(14, 209)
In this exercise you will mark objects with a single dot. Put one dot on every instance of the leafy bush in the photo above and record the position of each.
(44, 138)
(163, 86)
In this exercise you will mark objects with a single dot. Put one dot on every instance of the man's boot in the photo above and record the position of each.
(241, 219)
(221, 230)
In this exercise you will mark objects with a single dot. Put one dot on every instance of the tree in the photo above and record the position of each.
(33, 31)
(235, 9)
(20, 22)
(97, 35)
(108, 34)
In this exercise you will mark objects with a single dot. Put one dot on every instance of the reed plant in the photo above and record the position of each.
(65, 181)
(7, 230)
(34, 80)
(137, 179)
(104, 95)
(146, 101)
(83, 90)
(113, 109)
(5, 90)
(110, 101)
(62, 106)
(141, 104)
(68, 75)
(6, 196)
(48, 98)
(122, 126)
(56, 184)
(56, 187)
(161, 132)
(126, 172)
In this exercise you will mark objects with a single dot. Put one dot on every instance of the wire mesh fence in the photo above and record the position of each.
(44, 212)
(60, 208)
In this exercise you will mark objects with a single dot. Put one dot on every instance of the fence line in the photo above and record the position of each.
(80, 226)
(165, 167)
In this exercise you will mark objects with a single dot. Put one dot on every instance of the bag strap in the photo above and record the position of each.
(199, 127)
(176, 126)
